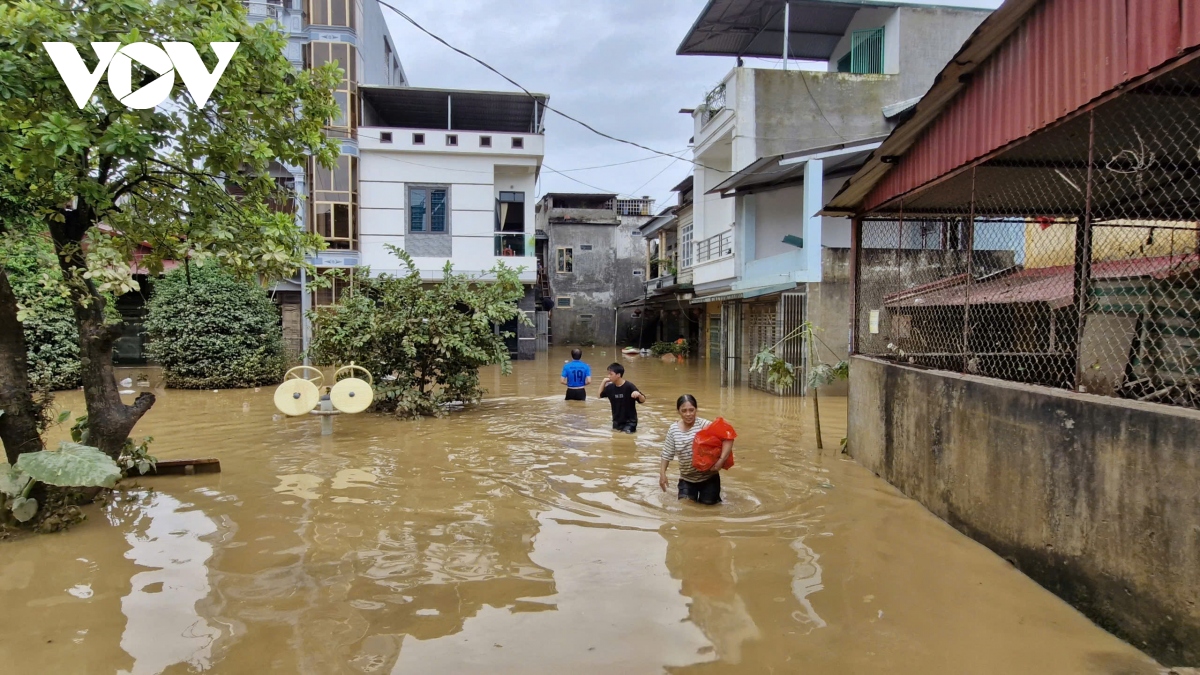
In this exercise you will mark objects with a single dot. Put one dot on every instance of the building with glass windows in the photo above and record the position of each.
(447, 176)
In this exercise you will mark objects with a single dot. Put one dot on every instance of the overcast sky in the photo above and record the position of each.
(610, 63)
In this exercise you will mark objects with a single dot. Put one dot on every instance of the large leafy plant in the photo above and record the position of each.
(210, 330)
(424, 346)
(72, 465)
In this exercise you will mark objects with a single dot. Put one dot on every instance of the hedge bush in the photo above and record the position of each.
(51, 338)
(214, 331)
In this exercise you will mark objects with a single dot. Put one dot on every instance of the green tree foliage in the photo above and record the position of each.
(216, 332)
(106, 178)
(51, 339)
(424, 346)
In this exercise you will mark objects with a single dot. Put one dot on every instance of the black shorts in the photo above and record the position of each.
(627, 427)
(579, 394)
(705, 492)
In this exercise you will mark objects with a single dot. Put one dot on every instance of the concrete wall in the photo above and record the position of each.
(602, 279)
(788, 119)
(372, 36)
(1094, 498)
(829, 310)
(777, 214)
(929, 38)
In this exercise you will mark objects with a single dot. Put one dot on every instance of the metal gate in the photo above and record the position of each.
(762, 332)
(792, 311)
(542, 326)
(731, 344)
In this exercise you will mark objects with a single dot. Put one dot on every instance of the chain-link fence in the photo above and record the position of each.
(1071, 259)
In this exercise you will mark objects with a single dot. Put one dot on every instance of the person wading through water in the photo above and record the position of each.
(699, 486)
(576, 375)
(624, 396)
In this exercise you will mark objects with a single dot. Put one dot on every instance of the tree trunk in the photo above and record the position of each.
(19, 423)
(109, 420)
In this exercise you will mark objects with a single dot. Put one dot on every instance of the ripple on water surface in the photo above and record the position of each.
(523, 536)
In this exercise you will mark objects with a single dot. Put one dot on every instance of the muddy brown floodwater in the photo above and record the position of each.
(522, 536)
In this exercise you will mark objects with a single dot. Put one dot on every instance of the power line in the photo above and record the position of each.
(664, 169)
(632, 161)
(547, 167)
(518, 85)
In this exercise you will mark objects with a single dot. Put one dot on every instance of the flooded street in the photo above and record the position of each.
(522, 536)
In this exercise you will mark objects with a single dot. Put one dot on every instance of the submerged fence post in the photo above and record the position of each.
(1083, 259)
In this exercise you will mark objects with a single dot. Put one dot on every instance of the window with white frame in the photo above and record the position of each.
(685, 246)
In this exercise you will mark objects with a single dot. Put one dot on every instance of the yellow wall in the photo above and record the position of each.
(1055, 245)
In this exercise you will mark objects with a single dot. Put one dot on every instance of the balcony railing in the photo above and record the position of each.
(510, 245)
(635, 207)
(714, 103)
(715, 247)
(268, 9)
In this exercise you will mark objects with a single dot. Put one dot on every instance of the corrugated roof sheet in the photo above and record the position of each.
(1041, 61)
(415, 108)
(1052, 285)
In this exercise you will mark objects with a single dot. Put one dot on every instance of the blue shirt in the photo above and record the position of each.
(577, 373)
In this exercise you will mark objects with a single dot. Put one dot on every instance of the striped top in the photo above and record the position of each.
(679, 444)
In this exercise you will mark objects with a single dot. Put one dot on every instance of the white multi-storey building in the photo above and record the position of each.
(771, 145)
(447, 176)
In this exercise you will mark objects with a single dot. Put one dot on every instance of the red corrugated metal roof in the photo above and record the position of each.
(1065, 54)
(1052, 285)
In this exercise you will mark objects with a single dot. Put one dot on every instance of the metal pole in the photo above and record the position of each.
(855, 270)
(966, 332)
(787, 31)
(304, 307)
(1083, 257)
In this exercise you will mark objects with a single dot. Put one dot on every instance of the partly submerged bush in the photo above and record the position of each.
(678, 348)
(208, 330)
(424, 346)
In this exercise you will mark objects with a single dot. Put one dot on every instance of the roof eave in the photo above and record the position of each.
(952, 80)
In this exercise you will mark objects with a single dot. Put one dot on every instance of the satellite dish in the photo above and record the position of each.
(352, 394)
(296, 397)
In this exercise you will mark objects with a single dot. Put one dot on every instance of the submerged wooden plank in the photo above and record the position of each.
(182, 467)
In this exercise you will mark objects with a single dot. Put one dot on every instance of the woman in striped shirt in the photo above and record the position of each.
(699, 486)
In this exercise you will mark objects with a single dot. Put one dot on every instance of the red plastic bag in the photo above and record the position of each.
(706, 447)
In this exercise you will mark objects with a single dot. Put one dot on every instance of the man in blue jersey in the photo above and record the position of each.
(577, 375)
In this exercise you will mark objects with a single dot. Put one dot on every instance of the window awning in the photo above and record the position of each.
(755, 27)
(781, 171)
(744, 294)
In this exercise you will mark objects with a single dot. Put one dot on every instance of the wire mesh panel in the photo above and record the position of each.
(761, 333)
(1071, 259)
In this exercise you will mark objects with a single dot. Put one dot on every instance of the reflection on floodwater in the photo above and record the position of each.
(522, 536)
(162, 627)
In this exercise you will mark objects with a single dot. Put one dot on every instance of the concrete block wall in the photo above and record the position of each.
(1097, 499)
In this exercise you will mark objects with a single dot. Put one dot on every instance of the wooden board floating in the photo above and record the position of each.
(182, 467)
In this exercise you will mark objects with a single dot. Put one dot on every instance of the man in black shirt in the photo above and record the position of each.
(624, 396)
